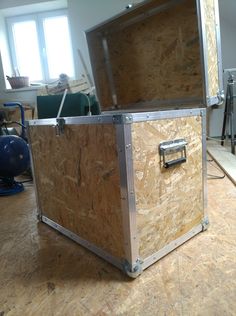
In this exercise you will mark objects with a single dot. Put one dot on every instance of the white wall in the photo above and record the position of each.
(228, 34)
(228, 41)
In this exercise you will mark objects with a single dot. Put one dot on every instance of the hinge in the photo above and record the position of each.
(39, 217)
(133, 271)
(122, 119)
(216, 100)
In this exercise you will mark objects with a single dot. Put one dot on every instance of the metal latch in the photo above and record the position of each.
(60, 126)
(171, 147)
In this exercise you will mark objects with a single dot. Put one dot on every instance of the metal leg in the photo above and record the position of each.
(229, 114)
(223, 134)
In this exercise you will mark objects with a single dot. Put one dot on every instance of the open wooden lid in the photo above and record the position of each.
(148, 56)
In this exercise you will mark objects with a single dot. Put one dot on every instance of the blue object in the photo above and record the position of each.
(22, 114)
(14, 156)
(8, 186)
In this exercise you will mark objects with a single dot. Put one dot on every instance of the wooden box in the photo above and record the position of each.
(103, 183)
(130, 184)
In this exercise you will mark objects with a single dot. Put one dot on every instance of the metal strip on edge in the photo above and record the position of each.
(203, 45)
(124, 143)
(98, 251)
(204, 160)
(171, 246)
(39, 211)
(219, 50)
(94, 119)
(159, 115)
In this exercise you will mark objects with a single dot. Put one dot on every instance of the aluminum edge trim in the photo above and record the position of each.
(123, 188)
(171, 246)
(94, 119)
(158, 115)
(204, 161)
(39, 211)
(98, 251)
(202, 37)
(131, 194)
(127, 193)
(219, 50)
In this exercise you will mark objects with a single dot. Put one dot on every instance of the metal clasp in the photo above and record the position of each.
(60, 126)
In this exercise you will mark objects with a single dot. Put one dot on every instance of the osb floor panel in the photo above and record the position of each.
(44, 273)
(224, 158)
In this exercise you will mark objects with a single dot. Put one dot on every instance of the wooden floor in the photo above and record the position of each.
(44, 273)
(224, 158)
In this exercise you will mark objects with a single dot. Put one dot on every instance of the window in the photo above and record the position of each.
(40, 45)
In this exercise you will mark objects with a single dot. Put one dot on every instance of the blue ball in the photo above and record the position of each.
(14, 156)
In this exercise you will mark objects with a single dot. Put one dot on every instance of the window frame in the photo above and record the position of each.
(38, 17)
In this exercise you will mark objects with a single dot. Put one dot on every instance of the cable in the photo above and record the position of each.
(217, 140)
(7, 132)
(25, 181)
(213, 176)
(18, 123)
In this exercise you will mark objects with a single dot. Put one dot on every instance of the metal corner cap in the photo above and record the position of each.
(133, 271)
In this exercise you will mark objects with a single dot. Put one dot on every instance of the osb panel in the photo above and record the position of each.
(212, 55)
(169, 201)
(42, 273)
(78, 182)
(156, 58)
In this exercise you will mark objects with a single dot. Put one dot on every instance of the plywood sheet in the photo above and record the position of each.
(169, 201)
(78, 182)
(155, 58)
(212, 51)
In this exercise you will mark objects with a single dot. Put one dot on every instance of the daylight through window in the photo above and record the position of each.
(40, 45)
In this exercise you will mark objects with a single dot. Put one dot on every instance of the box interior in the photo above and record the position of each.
(149, 56)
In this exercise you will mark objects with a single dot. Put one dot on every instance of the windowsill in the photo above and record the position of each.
(35, 88)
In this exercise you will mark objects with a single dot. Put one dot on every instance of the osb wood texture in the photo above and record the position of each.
(212, 51)
(169, 202)
(44, 273)
(78, 182)
(156, 58)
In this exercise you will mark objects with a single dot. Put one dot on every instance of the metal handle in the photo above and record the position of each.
(171, 147)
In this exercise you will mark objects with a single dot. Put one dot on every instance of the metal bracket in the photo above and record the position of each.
(170, 147)
(122, 119)
(221, 97)
(133, 271)
(205, 224)
(60, 126)
(39, 217)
